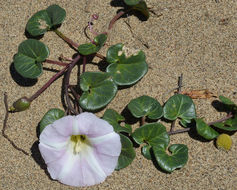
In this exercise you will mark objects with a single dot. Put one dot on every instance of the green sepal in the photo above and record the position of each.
(21, 104)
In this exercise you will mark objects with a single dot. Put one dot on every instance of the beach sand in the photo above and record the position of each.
(196, 38)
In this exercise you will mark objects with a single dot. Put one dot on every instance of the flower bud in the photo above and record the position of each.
(20, 105)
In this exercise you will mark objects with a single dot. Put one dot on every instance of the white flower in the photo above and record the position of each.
(80, 150)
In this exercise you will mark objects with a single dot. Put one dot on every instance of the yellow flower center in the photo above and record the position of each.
(79, 142)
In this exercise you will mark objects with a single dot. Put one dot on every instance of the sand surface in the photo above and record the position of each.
(196, 38)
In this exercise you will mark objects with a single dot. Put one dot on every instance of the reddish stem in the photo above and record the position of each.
(66, 39)
(56, 62)
(46, 85)
(116, 17)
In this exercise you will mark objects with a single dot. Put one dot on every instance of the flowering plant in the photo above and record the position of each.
(81, 149)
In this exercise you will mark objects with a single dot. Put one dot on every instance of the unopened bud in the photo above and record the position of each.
(95, 16)
(20, 105)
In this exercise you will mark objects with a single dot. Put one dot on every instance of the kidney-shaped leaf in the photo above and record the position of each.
(45, 20)
(27, 61)
(90, 48)
(114, 118)
(51, 116)
(169, 163)
(127, 154)
(56, 14)
(139, 5)
(131, 2)
(98, 89)
(125, 71)
(228, 125)
(179, 106)
(153, 134)
(142, 8)
(146, 151)
(204, 130)
(145, 106)
(226, 100)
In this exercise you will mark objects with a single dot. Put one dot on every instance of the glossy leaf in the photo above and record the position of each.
(179, 106)
(146, 151)
(56, 14)
(51, 116)
(90, 48)
(114, 118)
(98, 90)
(45, 20)
(127, 154)
(153, 134)
(226, 101)
(131, 2)
(204, 130)
(125, 71)
(27, 61)
(145, 106)
(228, 125)
(142, 7)
(167, 162)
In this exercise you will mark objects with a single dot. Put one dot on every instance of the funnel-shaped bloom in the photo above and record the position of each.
(80, 150)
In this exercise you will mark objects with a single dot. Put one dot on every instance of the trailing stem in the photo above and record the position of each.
(66, 85)
(41, 90)
(5, 126)
(66, 39)
(56, 62)
(116, 17)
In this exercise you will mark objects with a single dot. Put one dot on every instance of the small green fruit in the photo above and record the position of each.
(224, 142)
(20, 105)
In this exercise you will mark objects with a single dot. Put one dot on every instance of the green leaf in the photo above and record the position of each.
(179, 106)
(145, 106)
(131, 2)
(204, 130)
(99, 90)
(228, 125)
(125, 71)
(114, 118)
(127, 154)
(51, 116)
(87, 49)
(153, 134)
(90, 48)
(56, 14)
(45, 20)
(167, 162)
(185, 122)
(146, 151)
(142, 7)
(226, 101)
(27, 61)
